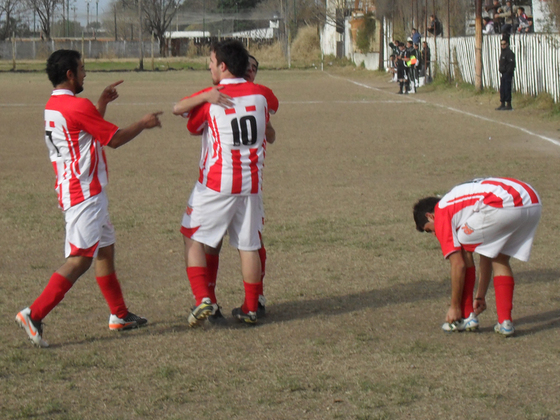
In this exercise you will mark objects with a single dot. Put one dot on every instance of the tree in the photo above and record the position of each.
(45, 10)
(158, 15)
(8, 8)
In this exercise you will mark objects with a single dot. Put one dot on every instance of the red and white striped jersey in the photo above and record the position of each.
(75, 133)
(233, 139)
(455, 207)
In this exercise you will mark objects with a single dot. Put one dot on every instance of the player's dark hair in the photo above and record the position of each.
(60, 62)
(423, 206)
(256, 61)
(233, 54)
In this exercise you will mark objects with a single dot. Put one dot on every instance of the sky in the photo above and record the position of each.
(81, 9)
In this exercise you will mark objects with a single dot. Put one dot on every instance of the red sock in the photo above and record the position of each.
(199, 284)
(50, 297)
(468, 289)
(111, 289)
(262, 256)
(503, 287)
(251, 303)
(212, 263)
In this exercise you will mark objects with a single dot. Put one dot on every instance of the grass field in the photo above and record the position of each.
(356, 297)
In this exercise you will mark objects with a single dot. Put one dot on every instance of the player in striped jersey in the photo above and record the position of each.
(183, 107)
(227, 196)
(495, 217)
(75, 133)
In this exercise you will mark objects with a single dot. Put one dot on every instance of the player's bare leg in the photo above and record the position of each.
(197, 272)
(251, 270)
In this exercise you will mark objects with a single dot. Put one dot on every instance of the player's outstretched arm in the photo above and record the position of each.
(213, 96)
(109, 94)
(124, 135)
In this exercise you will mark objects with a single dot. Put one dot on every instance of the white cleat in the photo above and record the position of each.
(505, 328)
(33, 329)
(465, 324)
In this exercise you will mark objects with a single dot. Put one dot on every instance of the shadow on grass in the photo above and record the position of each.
(336, 305)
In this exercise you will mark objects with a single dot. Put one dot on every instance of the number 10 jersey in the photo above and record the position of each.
(233, 139)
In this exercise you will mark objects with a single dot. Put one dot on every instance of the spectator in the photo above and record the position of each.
(416, 37)
(507, 67)
(435, 27)
(493, 12)
(393, 68)
(401, 70)
(426, 62)
(523, 22)
(506, 12)
(488, 26)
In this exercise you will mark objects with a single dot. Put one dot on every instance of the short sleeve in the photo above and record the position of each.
(90, 120)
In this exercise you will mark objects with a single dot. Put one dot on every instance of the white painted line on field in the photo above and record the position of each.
(524, 130)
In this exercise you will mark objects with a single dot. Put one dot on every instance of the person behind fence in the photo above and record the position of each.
(494, 14)
(507, 14)
(76, 133)
(426, 57)
(416, 37)
(435, 27)
(523, 22)
(495, 217)
(507, 68)
(487, 26)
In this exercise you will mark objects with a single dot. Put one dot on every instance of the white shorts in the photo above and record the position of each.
(508, 231)
(88, 227)
(209, 215)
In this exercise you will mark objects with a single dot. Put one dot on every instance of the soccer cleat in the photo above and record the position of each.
(200, 313)
(216, 317)
(249, 318)
(261, 309)
(465, 324)
(128, 322)
(34, 329)
(505, 328)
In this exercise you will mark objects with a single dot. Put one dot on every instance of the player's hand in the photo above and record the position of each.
(214, 96)
(152, 120)
(479, 305)
(453, 314)
(110, 93)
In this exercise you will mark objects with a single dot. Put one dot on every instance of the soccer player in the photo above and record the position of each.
(495, 217)
(227, 196)
(213, 254)
(75, 133)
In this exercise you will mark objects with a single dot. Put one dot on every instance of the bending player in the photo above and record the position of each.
(227, 196)
(495, 217)
(216, 97)
(75, 135)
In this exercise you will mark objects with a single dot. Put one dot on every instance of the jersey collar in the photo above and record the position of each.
(232, 81)
(58, 92)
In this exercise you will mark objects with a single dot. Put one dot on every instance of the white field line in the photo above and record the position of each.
(516, 127)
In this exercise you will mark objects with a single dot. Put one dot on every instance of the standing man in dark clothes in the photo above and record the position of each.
(507, 67)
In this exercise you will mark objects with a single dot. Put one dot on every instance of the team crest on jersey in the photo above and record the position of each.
(467, 229)
(189, 210)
